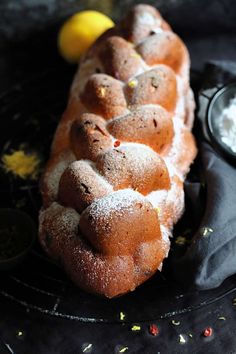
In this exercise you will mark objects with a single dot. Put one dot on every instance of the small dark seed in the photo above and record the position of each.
(86, 189)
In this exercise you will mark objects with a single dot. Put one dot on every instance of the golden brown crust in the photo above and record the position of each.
(149, 125)
(136, 167)
(89, 137)
(163, 48)
(156, 86)
(54, 168)
(141, 21)
(119, 231)
(113, 187)
(103, 95)
(80, 185)
(119, 58)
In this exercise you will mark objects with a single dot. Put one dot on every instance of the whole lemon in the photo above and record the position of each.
(80, 31)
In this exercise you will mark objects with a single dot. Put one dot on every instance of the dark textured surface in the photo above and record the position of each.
(28, 31)
(18, 18)
(29, 320)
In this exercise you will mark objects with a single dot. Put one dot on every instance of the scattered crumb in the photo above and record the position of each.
(122, 316)
(135, 328)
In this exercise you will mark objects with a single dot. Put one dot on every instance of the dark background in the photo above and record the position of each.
(208, 28)
(28, 32)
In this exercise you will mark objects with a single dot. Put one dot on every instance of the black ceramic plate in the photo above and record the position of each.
(31, 111)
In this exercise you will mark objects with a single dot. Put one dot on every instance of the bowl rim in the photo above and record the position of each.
(218, 144)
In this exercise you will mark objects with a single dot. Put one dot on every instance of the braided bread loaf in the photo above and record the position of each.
(113, 187)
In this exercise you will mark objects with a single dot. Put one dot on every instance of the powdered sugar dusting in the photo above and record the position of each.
(88, 178)
(189, 109)
(133, 165)
(176, 151)
(166, 234)
(62, 220)
(147, 19)
(157, 30)
(166, 201)
(157, 198)
(227, 125)
(180, 109)
(52, 176)
(141, 161)
(141, 156)
(119, 202)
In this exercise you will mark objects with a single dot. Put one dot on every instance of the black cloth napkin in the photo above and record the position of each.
(205, 258)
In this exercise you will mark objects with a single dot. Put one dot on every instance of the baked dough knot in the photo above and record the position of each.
(113, 187)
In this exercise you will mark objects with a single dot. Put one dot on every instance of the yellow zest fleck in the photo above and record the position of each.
(122, 316)
(135, 55)
(123, 350)
(135, 328)
(102, 91)
(222, 318)
(180, 240)
(158, 210)
(20, 333)
(21, 164)
(175, 323)
(182, 340)
(133, 83)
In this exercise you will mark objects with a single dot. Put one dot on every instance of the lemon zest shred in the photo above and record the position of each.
(21, 164)
(133, 83)
(102, 92)
(135, 328)
(181, 240)
(122, 316)
(135, 55)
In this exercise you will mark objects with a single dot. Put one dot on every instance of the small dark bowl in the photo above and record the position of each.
(24, 233)
(219, 101)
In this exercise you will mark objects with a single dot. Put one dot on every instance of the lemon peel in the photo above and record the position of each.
(21, 164)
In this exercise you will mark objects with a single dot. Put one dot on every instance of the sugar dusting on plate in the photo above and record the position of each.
(227, 125)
